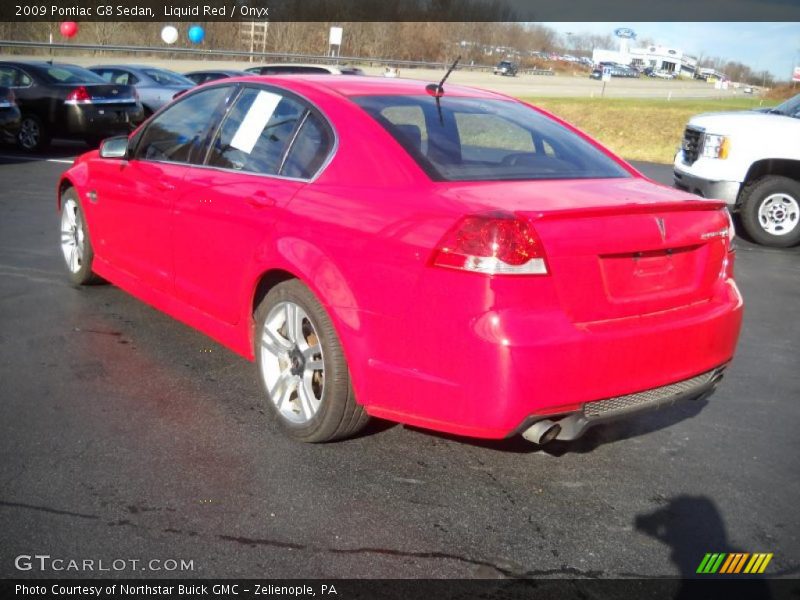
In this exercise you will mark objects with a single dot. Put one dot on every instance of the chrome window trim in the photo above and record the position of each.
(295, 133)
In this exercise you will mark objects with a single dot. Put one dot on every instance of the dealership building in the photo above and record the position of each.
(660, 58)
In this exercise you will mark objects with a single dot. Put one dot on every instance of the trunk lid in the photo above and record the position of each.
(106, 94)
(624, 247)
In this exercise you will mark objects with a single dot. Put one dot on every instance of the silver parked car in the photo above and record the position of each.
(154, 85)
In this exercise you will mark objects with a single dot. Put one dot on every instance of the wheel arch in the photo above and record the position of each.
(785, 167)
(293, 258)
(63, 185)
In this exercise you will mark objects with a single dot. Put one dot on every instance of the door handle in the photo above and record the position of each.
(261, 200)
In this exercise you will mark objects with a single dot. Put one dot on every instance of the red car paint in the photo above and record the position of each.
(628, 304)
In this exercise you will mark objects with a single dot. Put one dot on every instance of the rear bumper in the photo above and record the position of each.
(574, 425)
(515, 366)
(716, 187)
(86, 121)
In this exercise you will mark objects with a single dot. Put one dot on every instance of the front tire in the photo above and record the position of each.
(302, 368)
(770, 211)
(76, 246)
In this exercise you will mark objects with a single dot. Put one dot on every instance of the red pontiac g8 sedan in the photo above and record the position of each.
(448, 258)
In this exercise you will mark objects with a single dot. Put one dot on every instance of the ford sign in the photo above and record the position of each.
(624, 32)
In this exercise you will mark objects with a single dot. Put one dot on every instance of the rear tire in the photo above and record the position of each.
(33, 135)
(302, 368)
(76, 247)
(770, 211)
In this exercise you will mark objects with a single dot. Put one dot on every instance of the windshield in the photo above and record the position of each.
(789, 108)
(473, 139)
(70, 74)
(167, 77)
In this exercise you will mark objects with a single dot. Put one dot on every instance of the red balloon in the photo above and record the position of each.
(68, 28)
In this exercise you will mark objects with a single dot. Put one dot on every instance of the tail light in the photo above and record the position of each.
(731, 231)
(727, 262)
(79, 96)
(494, 244)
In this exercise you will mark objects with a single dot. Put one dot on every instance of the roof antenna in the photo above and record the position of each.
(437, 90)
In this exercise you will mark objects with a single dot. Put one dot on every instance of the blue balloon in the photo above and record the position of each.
(196, 34)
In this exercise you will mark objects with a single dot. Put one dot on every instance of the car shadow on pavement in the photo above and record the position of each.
(606, 433)
(59, 149)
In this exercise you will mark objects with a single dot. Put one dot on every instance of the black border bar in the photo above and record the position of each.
(624, 11)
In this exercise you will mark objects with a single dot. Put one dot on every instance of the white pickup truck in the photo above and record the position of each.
(751, 160)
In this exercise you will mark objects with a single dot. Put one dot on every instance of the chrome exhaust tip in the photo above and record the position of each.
(542, 432)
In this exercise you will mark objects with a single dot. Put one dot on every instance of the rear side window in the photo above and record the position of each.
(178, 133)
(11, 77)
(309, 150)
(71, 74)
(475, 139)
(257, 132)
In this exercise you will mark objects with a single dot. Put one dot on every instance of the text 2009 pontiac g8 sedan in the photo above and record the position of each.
(435, 255)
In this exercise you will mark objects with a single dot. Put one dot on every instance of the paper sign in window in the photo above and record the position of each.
(255, 120)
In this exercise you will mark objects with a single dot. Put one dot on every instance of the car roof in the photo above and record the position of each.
(234, 71)
(38, 63)
(358, 85)
(133, 67)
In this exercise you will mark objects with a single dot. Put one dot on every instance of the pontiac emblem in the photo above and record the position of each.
(662, 228)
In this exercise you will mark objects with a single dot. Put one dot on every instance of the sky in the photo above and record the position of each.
(774, 47)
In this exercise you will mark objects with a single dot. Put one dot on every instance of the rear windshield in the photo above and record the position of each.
(70, 74)
(473, 139)
(167, 77)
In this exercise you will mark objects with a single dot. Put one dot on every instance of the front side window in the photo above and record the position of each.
(475, 139)
(178, 133)
(257, 132)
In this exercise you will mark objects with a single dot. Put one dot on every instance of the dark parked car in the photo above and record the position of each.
(506, 67)
(205, 76)
(156, 87)
(10, 116)
(67, 101)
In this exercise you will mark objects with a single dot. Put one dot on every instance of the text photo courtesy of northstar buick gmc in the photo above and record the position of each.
(504, 275)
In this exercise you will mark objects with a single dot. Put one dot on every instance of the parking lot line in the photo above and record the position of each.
(66, 161)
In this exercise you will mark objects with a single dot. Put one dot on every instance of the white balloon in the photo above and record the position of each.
(169, 34)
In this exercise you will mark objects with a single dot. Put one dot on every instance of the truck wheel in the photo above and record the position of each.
(771, 211)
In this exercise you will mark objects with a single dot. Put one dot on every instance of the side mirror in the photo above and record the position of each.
(115, 147)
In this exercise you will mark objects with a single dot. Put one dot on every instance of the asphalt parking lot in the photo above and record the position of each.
(126, 435)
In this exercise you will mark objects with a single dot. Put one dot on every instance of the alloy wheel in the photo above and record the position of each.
(292, 363)
(29, 134)
(73, 238)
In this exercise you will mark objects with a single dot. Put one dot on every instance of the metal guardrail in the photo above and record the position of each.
(260, 56)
